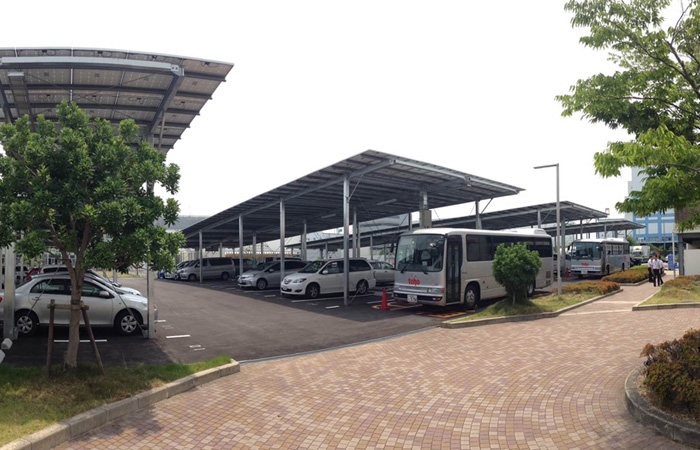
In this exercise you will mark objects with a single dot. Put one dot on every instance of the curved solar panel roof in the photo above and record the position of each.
(162, 93)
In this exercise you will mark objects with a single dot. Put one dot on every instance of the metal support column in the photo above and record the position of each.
(255, 255)
(355, 230)
(282, 238)
(241, 268)
(478, 215)
(200, 257)
(303, 242)
(371, 247)
(346, 240)
(9, 330)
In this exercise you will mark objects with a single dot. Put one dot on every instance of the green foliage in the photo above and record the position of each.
(514, 267)
(597, 287)
(84, 189)
(634, 275)
(654, 96)
(30, 401)
(673, 374)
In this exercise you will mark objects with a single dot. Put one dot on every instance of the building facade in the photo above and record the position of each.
(658, 228)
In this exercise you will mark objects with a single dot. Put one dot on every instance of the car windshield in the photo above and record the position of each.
(313, 267)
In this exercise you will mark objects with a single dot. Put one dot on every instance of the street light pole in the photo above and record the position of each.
(558, 241)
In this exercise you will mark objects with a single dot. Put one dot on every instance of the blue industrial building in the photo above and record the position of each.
(658, 228)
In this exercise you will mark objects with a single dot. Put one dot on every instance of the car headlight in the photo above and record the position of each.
(299, 280)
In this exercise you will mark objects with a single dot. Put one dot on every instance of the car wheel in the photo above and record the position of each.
(192, 277)
(313, 290)
(362, 287)
(127, 322)
(225, 276)
(27, 322)
(471, 297)
(261, 284)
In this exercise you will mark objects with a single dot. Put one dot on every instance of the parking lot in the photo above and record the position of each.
(199, 321)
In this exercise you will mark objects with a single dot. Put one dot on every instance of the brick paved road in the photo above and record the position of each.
(548, 384)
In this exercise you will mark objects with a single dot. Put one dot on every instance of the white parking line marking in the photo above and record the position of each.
(178, 336)
(198, 349)
(316, 300)
(160, 321)
(331, 307)
(82, 340)
(195, 346)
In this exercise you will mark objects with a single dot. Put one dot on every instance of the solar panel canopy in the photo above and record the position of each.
(162, 93)
(380, 185)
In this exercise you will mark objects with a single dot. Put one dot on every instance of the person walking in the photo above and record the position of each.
(650, 269)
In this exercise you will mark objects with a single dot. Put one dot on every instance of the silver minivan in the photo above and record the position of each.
(212, 268)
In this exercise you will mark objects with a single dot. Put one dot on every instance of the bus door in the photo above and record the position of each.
(453, 269)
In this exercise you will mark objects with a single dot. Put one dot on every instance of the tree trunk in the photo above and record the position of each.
(70, 359)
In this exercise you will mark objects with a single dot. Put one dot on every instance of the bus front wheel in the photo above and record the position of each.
(471, 297)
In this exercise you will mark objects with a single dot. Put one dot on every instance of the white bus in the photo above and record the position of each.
(599, 257)
(446, 266)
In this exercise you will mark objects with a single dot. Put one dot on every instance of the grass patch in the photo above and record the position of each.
(30, 400)
(546, 303)
(682, 289)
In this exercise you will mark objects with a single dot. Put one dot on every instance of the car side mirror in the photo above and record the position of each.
(324, 272)
(105, 294)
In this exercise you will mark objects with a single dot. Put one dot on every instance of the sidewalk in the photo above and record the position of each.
(624, 301)
(555, 383)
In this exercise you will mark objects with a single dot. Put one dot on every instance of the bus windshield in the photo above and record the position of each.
(420, 252)
(585, 250)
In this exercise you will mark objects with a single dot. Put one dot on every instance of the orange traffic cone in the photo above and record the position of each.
(385, 306)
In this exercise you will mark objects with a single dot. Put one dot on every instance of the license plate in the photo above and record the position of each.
(412, 298)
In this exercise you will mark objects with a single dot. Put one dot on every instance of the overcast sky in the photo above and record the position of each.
(462, 84)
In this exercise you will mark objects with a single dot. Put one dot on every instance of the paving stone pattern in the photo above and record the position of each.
(554, 383)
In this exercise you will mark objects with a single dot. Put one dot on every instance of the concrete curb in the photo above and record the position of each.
(523, 318)
(68, 429)
(646, 414)
(666, 306)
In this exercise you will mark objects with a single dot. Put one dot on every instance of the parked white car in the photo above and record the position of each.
(326, 277)
(127, 313)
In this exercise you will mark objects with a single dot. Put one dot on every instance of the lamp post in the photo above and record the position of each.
(560, 247)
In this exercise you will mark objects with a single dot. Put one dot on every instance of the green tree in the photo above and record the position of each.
(654, 96)
(85, 190)
(515, 267)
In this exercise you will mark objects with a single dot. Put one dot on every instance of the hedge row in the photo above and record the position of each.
(627, 276)
(598, 287)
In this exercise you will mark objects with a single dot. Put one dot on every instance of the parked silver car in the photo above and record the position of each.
(383, 272)
(212, 268)
(269, 275)
(127, 313)
(54, 268)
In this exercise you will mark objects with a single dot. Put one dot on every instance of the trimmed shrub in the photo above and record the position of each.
(628, 276)
(514, 267)
(672, 374)
(598, 287)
